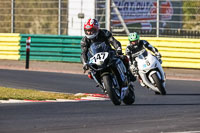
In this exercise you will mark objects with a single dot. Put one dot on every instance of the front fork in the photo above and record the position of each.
(95, 79)
(99, 81)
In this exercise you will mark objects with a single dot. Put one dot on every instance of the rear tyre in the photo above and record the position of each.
(130, 96)
(158, 84)
(108, 83)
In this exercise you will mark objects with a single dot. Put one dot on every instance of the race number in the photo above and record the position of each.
(99, 57)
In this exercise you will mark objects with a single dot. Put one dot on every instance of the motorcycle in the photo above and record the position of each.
(109, 72)
(150, 71)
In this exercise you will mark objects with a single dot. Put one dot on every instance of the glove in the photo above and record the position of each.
(158, 55)
(160, 60)
(85, 66)
(119, 51)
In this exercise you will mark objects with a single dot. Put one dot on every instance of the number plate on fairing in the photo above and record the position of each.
(99, 57)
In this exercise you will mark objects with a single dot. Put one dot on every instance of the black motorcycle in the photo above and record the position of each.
(110, 73)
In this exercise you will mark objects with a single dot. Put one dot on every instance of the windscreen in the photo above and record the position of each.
(98, 47)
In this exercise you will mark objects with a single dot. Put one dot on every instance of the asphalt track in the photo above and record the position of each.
(178, 111)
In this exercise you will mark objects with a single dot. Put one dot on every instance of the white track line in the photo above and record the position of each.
(89, 97)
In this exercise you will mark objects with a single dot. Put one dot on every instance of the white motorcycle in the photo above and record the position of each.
(150, 71)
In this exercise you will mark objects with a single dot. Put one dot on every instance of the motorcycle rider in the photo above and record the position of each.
(134, 47)
(93, 33)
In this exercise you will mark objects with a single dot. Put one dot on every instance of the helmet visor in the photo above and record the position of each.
(90, 31)
(135, 42)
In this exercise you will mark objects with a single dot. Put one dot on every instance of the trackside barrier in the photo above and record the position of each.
(52, 48)
(28, 42)
(9, 46)
(176, 52)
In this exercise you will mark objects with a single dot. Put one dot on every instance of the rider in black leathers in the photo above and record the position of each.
(94, 34)
(136, 45)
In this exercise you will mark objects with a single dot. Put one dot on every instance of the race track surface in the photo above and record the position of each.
(178, 111)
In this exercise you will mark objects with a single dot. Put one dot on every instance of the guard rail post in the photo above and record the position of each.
(28, 42)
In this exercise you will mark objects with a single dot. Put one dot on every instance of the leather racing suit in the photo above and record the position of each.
(131, 50)
(103, 36)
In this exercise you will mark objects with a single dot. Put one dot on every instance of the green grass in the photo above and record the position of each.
(28, 94)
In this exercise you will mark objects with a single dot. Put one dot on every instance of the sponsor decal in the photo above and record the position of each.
(137, 11)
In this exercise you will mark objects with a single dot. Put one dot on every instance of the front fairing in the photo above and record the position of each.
(103, 60)
(146, 61)
(99, 56)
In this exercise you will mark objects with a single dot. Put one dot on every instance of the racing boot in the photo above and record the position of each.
(132, 78)
(141, 82)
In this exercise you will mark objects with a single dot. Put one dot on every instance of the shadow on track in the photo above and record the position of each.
(168, 104)
(177, 94)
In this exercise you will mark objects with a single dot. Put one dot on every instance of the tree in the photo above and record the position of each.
(191, 18)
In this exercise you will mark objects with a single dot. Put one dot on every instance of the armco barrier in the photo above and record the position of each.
(52, 48)
(176, 52)
(9, 46)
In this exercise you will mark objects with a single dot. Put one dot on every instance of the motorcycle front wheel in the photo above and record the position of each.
(110, 88)
(159, 84)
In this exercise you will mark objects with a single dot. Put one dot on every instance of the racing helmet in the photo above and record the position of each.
(91, 28)
(133, 37)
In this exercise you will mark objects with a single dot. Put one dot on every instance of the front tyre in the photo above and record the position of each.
(109, 86)
(158, 84)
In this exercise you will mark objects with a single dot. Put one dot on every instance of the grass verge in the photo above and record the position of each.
(29, 94)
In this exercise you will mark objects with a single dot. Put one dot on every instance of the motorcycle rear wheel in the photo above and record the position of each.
(159, 84)
(108, 83)
(130, 96)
